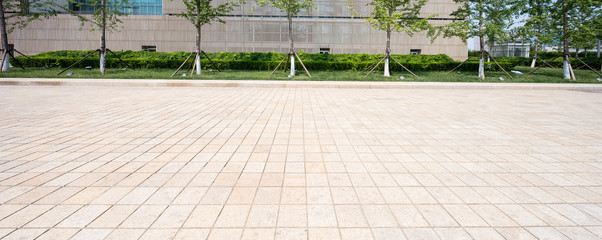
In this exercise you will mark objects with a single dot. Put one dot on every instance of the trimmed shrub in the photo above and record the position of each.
(259, 61)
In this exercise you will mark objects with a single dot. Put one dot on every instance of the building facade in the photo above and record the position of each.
(329, 28)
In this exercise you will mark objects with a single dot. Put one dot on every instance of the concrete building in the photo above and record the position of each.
(153, 25)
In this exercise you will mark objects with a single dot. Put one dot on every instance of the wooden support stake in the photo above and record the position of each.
(288, 55)
(459, 65)
(500, 66)
(383, 58)
(215, 66)
(588, 66)
(537, 68)
(38, 62)
(185, 61)
(78, 61)
(16, 60)
(303, 65)
(121, 60)
(404, 67)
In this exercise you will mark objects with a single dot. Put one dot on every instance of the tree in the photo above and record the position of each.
(398, 16)
(105, 16)
(199, 13)
(292, 8)
(477, 18)
(574, 26)
(536, 25)
(18, 14)
(498, 20)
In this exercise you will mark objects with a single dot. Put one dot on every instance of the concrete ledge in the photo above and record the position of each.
(294, 84)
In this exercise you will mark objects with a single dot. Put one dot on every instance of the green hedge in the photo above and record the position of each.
(257, 61)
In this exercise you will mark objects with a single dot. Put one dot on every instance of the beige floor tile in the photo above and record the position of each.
(321, 216)
(125, 234)
(291, 233)
(83, 216)
(113, 217)
(143, 217)
(420, 233)
(190, 234)
(53, 216)
(287, 163)
(546, 233)
(58, 234)
(465, 216)
(452, 233)
(24, 215)
(350, 216)
(323, 233)
(92, 234)
(225, 233)
(159, 234)
(493, 216)
(292, 216)
(25, 233)
(233, 216)
(515, 233)
(173, 217)
(483, 233)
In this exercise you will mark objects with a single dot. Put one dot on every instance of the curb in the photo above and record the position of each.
(294, 84)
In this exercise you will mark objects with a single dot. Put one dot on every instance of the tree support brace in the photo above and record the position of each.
(389, 57)
(500, 66)
(78, 61)
(537, 68)
(288, 55)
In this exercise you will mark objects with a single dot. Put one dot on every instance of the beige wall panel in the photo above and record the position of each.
(261, 34)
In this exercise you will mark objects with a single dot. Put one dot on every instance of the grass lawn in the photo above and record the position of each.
(545, 75)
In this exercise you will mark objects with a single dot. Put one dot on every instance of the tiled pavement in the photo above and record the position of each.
(303, 163)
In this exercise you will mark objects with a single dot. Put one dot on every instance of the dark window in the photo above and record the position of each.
(415, 51)
(149, 48)
(324, 50)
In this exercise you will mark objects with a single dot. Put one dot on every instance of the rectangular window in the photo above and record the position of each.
(324, 50)
(415, 51)
(149, 48)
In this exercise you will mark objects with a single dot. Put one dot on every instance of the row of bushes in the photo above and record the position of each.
(256, 61)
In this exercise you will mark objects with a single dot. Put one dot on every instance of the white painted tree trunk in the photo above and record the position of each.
(6, 66)
(292, 65)
(566, 69)
(533, 62)
(102, 62)
(387, 73)
(197, 62)
(482, 69)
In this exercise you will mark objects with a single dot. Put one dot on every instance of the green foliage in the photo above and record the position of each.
(495, 16)
(113, 10)
(255, 61)
(201, 12)
(18, 13)
(399, 16)
(290, 7)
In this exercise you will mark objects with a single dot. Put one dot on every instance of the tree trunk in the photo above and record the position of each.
(5, 66)
(491, 50)
(197, 59)
(482, 43)
(387, 53)
(291, 49)
(535, 53)
(103, 31)
(566, 64)
(599, 48)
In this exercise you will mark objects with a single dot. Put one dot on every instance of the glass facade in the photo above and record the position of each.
(133, 7)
